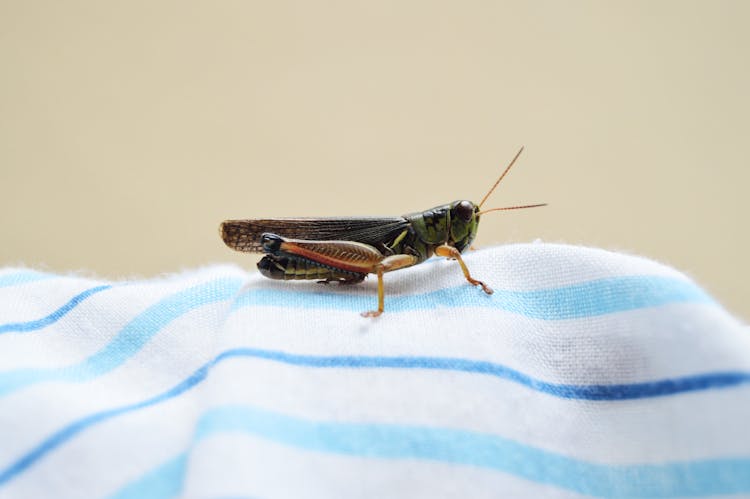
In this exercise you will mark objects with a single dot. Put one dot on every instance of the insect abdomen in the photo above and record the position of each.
(292, 269)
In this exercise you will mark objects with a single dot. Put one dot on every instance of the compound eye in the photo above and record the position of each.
(465, 210)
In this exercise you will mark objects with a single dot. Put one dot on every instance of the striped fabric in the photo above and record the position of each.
(587, 373)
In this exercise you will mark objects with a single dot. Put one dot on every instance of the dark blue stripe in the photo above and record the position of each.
(23, 327)
(649, 389)
(585, 392)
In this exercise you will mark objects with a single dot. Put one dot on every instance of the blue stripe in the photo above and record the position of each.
(659, 388)
(588, 299)
(16, 278)
(586, 392)
(22, 327)
(129, 340)
(164, 481)
(462, 447)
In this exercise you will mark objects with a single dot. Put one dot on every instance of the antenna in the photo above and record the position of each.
(507, 169)
(512, 208)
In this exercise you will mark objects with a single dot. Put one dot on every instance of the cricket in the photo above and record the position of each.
(345, 250)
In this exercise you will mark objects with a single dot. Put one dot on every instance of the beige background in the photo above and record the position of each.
(129, 130)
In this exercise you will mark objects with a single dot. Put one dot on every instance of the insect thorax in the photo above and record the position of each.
(442, 224)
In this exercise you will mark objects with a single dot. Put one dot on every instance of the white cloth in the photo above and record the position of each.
(586, 373)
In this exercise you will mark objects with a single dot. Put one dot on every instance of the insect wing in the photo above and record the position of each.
(244, 235)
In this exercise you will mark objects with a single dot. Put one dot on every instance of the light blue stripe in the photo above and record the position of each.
(16, 278)
(461, 447)
(129, 340)
(164, 481)
(587, 299)
(24, 327)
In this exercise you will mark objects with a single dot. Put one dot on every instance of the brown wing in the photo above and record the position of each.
(244, 235)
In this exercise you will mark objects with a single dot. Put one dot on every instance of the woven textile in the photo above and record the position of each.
(586, 373)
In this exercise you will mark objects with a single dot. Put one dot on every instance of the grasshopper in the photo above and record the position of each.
(345, 250)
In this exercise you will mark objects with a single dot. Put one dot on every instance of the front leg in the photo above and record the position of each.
(451, 252)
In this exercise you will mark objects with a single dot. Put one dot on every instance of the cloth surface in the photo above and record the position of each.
(586, 373)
